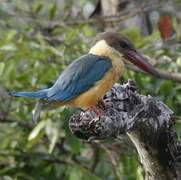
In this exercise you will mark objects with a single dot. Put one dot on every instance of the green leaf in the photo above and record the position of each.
(8, 47)
(176, 25)
(2, 66)
(88, 175)
(52, 11)
(8, 69)
(73, 142)
(11, 34)
(146, 40)
(166, 88)
(52, 131)
(79, 173)
(178, 62)
(133, 33)
(34, 133)
(75, 174)
(38, 8)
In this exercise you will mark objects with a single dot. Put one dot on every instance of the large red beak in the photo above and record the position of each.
(140, 61)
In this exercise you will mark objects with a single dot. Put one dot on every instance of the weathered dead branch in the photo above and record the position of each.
(145, 120)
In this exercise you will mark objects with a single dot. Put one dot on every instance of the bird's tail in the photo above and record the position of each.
(39, 94)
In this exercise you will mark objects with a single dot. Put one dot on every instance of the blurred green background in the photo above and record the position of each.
(38, 39)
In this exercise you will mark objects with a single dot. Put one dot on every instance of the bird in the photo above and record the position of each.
(85, 81)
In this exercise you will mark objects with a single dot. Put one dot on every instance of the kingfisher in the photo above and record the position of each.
(87, 79)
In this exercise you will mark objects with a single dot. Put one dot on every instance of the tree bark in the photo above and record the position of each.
(146, 121)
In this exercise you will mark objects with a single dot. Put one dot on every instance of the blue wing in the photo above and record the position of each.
(78, 77)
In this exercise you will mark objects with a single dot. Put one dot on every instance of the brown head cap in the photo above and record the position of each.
(115, 40)
(125, 47)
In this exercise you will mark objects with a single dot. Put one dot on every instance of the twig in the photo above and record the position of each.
(176, 77)
(96, 152)
(9, 120)
(113, 160)
(106, 19)
(103, 19)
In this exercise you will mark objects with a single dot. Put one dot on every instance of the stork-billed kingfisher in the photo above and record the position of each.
(86, 80)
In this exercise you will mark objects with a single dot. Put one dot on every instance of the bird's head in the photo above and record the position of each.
(117, 43)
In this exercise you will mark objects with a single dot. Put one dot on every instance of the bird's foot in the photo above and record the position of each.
(96, 110)
(102, 102)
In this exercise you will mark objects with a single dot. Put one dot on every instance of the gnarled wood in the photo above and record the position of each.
(145, 120)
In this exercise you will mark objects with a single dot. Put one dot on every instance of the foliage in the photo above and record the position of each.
(32, 55)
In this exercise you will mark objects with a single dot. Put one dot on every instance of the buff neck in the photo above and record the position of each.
(101, 48)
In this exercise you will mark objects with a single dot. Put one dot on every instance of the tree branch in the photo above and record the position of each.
(123, 15)
(9, 120)
(176, 77)
(146, 121)
(115, 18)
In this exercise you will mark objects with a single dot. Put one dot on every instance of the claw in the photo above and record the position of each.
(101, 101)
(96, 110)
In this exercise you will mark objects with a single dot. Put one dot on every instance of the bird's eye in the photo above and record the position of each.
(124, 45)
